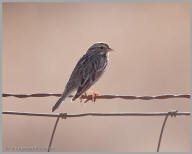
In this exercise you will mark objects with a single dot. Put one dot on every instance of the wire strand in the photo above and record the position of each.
(89, 97)
(95, 114)
(53, 133)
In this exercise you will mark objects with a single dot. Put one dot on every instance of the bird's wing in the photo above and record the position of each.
(89, 71)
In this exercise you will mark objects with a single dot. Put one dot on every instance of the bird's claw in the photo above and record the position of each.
(93, 95)
(83, 96)
(87, 98)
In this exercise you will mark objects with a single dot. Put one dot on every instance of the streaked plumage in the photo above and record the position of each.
(86, 72)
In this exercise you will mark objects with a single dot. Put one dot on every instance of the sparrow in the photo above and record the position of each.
(87, 71)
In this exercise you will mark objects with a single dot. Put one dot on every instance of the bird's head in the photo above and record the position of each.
(99, 48)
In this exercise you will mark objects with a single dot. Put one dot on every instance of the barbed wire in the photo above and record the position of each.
(65, 115)
(89, 97)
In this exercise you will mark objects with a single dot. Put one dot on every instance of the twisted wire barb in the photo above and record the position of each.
(171, 113)
(89, 97)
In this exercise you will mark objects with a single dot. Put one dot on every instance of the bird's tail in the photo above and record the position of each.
(65, 94)
(59, 101)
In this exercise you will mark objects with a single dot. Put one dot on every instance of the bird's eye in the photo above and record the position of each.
(102, 47)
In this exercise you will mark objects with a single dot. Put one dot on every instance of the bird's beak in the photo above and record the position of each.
(109, 50)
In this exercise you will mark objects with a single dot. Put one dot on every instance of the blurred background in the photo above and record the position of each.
(42, 43)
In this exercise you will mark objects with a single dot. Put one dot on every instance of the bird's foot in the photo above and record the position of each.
(81, 97)
(93, 95)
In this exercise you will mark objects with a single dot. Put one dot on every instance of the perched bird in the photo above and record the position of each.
(86, 72)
